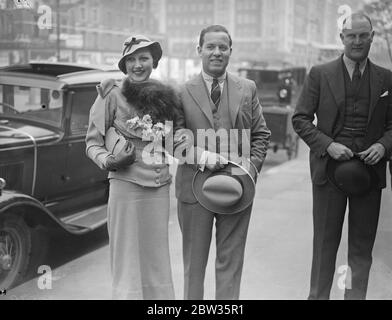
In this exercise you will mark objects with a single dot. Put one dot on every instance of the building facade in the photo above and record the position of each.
(264, 32)
(81, 31)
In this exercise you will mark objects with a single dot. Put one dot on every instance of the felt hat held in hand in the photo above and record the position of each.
(352, 177)
(227, 191)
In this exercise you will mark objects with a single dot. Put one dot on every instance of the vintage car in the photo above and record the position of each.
(278, 89)
(47, 183)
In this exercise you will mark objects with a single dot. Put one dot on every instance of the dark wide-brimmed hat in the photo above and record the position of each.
(137, 42)
(352, 177)
(227, 191)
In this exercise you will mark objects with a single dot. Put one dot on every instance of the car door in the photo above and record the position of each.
(34, 158)
(86, 184)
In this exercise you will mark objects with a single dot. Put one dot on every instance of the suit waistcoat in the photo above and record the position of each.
(222, 121)
(357, 102)
(356, 112)
(222, 115)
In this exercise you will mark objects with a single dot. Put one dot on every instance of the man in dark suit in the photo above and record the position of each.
(351, 98)
(216, 100)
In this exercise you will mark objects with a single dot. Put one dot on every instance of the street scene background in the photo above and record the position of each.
(267, 34)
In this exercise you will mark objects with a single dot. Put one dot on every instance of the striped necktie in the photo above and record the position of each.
(215, 92)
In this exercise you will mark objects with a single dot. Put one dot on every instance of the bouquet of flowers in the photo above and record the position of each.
(149, 131)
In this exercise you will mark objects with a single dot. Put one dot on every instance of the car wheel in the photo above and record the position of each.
(18, 243)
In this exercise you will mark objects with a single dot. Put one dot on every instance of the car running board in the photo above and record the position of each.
(89, 219)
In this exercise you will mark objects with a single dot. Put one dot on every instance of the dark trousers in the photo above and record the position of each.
(231, 231)
(329, 206)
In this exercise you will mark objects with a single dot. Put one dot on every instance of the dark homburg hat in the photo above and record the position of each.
(352, 177)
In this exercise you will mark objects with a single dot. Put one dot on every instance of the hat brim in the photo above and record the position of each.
(358, 189)
(156, 51)
(245, 179)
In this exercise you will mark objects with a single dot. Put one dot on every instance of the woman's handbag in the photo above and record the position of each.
(114, 141)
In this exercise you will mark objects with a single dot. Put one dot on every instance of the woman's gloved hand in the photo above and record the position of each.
(124, 158)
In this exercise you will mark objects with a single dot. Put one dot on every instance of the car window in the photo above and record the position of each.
(82, 101)
(34, 103)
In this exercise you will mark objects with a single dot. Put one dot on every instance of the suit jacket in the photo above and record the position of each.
(111, 109)
(245, 113)
(323, 95)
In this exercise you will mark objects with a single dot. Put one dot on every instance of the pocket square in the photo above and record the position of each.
(384, 94)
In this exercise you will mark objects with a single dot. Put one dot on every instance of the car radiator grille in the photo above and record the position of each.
(13, 175)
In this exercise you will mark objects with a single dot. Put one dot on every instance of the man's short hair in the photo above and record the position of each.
(356, 15)
(213, 28)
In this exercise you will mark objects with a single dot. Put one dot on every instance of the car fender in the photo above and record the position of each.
(11, 201)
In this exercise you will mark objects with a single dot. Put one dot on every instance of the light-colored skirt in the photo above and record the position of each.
(139, 244)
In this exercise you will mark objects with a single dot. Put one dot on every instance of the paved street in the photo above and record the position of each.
(278, 255)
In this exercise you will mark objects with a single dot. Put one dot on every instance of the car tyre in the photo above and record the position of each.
(20, 249)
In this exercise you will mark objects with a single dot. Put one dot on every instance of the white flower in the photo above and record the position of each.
(147, 119)
(159, 126)
(133, 122)
(150, 131)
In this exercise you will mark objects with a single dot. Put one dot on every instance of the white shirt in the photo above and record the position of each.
(350, 65)
(208, 81)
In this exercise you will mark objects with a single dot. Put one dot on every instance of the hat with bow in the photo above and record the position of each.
(137, 42)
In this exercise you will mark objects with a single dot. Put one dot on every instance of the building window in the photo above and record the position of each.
(95, 15)
(82, 13)
(2, 27)
(140, 5)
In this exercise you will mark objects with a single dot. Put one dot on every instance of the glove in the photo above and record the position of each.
(124, 158)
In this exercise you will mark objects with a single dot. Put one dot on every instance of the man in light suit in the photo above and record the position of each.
(351, 98)
(216, 100)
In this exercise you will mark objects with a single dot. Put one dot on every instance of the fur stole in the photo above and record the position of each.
(152, 97)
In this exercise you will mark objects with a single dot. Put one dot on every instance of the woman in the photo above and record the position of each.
(138, 207)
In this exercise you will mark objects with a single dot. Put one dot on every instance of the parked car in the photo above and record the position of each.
(46, 180)
(278, 89)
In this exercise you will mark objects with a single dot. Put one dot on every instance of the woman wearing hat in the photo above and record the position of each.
(138, 207)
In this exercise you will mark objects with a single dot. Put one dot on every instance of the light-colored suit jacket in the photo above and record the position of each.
(245, 113)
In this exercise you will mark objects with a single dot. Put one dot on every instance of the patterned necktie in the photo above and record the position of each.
(215, 93)
(356, 77)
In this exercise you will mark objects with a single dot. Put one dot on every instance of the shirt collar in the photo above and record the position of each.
(350, 64)
(208, 78)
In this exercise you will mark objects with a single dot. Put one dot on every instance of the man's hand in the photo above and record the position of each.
(373, 155)
(124, 158)
(215, 162)
(339, 152)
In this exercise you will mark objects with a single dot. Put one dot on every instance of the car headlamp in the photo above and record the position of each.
(283, 93)
(2, 184)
